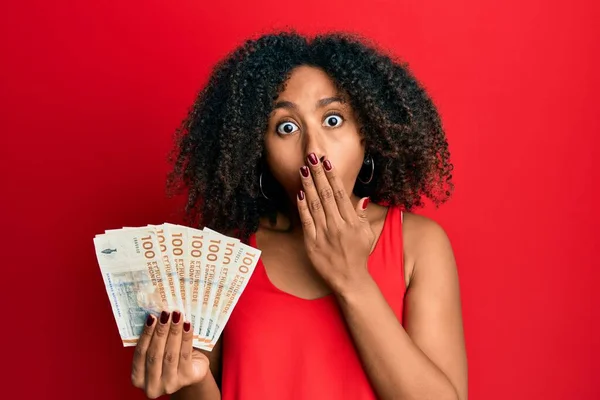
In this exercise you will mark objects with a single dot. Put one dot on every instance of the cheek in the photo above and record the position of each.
(348, 159)
(284, 166)
(351, 172)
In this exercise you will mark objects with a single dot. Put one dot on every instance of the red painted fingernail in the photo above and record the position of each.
(312, 158)
(149, 320)
(164, 317)
(327, 165)
(304, 171)
(301, 195)
(186, 326)
(366, 203)
(176, 317)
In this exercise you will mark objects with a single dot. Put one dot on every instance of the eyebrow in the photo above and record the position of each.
(320, 104)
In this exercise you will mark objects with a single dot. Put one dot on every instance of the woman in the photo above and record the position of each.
(314, 151)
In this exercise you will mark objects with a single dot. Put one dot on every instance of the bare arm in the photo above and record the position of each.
(426, 359)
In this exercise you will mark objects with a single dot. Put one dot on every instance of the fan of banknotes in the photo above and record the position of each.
(201, 273)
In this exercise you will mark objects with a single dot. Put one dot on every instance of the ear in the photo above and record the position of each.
(361, 209)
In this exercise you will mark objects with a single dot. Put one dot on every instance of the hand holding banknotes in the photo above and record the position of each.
(338, 237)
(172, 289)
(164, 360)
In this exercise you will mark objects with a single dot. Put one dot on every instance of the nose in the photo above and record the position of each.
(314, 143)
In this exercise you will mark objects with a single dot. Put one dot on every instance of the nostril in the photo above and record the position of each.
(322, 158)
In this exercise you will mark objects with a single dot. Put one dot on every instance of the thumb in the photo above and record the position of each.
(361, 208)
(200, 366)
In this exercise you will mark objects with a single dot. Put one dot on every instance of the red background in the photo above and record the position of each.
(91, 93)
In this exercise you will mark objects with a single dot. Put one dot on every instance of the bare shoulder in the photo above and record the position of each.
(419, 227)
(424, 239)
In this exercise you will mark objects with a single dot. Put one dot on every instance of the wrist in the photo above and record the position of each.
(356, 288)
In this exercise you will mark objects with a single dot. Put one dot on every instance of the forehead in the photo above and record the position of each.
(307, 83)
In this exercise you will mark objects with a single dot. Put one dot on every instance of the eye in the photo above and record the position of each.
(286, 128)
(335, 120)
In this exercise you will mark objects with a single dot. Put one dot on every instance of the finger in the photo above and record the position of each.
(313, 202)
(155, 354)
(306, 217)
(344, 205)
(170, 362)
(361, 209)
(186, 350)
(138, 366)
(324, 190)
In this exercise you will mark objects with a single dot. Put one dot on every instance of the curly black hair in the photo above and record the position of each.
(219, 148)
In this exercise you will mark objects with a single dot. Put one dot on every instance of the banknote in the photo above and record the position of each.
(196, 273)
(129, 262)
(225, 247)
(212, 257)
(165, 269)
(148, 269)
(243, 266)
(177, 236)
(169, 273)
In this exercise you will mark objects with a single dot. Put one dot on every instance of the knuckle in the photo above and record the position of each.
(326, 193)
(161, 331)
(172, 385)
(170, 388)
(152, 358)
(187, 337)
(147, 332)
(174, 330)
(152, 394)
(149, 393)
(338, 229)
(136, 381)
(340, 194)
(185, 355)
(315, 205)
(307, 223)
(169, 358)
(138, 353)
(308, 183)
(318, 171)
